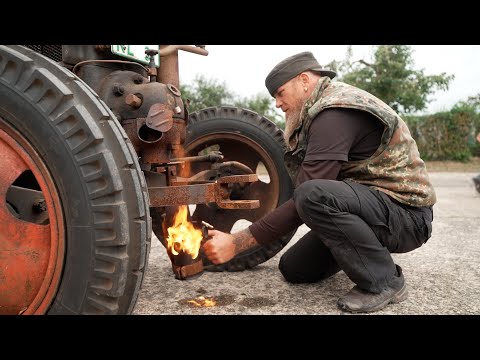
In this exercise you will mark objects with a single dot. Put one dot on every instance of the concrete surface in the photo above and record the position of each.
(443, 275)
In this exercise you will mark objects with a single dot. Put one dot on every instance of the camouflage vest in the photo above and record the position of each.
(395, 168)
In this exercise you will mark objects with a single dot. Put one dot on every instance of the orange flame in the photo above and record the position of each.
(182, 236)
(202, 302)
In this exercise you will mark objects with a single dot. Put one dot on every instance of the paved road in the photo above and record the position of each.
(443, 275)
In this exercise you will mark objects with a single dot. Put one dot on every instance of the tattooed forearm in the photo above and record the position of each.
(243, 240)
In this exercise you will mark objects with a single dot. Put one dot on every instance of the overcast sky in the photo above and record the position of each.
(243, 68)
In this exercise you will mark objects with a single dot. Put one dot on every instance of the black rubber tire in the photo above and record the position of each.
(97, 175)
(241, 122)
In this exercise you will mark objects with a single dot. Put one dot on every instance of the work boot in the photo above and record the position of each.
(358, 300)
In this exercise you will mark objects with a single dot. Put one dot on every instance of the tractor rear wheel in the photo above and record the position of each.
(244, 136)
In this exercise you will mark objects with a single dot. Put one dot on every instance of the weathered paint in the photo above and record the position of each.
(31, 255)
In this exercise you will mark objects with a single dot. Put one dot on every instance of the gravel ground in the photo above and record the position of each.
(443, 275)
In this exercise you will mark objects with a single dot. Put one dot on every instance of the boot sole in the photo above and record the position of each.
(477, 184)
(398, 297)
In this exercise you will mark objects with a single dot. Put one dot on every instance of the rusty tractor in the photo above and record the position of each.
(98, 150)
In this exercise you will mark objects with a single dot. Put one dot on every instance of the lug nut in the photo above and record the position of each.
(138, 79)
(118, 89)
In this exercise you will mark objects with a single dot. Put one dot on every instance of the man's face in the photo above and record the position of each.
(291, 97)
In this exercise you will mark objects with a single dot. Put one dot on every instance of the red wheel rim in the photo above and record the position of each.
(31, 254)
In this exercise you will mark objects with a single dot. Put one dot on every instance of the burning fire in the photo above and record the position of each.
(182, 236)
(202, 302)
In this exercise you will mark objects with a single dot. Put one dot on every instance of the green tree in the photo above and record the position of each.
(263, 105)
(474, 102)
(391, 77)
(203, 93)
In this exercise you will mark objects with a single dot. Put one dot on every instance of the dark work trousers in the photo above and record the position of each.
(353, 228)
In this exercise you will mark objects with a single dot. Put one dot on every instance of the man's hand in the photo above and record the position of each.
(222, 247)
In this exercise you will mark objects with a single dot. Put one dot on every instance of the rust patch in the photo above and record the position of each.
(28, 287)
(32, 254)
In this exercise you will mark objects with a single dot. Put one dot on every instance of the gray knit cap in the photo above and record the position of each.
(291, 67)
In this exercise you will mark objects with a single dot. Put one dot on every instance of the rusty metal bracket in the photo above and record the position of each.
(202, 193)
(160, 118)
(184, 271)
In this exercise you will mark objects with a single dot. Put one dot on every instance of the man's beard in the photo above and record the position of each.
(292, 121)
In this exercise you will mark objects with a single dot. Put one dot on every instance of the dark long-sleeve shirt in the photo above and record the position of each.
(335, 136)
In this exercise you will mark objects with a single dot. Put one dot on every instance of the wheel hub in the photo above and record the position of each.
(31, 254)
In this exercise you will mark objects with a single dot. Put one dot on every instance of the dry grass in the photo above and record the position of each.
(454, 166)
(432, 166)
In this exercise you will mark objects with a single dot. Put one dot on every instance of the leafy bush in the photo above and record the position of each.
(447, 135)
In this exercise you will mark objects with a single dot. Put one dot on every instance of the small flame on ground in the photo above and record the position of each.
(182, 236)
(202, 302)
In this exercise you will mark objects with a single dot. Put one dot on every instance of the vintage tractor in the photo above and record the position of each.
(97, 150)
